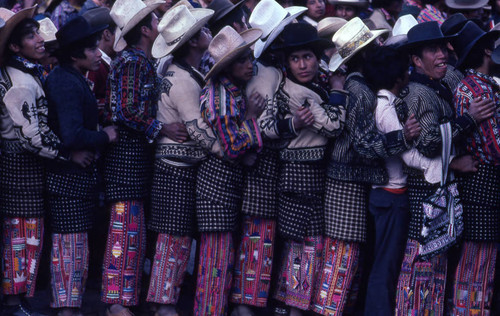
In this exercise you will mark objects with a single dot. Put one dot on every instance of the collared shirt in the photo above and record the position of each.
(223, 107)
(105, 57)
(132, 93)
(431, 13)
(63, 13)
(484, 143)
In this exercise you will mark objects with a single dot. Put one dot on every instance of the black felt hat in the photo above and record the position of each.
(468, 37)
(303, 34)
(423, 34)
(75, 30)
(453, 24)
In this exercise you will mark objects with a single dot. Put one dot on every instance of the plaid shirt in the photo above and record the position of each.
(132, 93)
(223, 107)
(484, 143)
(431, 13)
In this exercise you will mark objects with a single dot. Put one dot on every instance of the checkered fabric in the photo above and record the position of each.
(480, 193)
(346, 206)
(173, 199)
(22, 184)
(260, 196)
(128, 167)
(300, 205)
(72, 198)
(219, 190)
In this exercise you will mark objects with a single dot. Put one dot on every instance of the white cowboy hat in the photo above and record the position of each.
(176, 27)
(126, 14)
(227, 45)
(271, 18)
(400, 30)
(329, 26)
(351, 37)
(11, 20)
(47, 30)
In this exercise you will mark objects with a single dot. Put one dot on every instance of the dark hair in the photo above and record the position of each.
(22, 29)
(111, 26)
(383, 3)
(183, 51)
(316, 50)
(386, 60)
(134, 35)
(236, 16)
(475, 57)
(77, 49)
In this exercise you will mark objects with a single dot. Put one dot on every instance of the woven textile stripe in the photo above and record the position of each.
(340, 263)
(299, 270)
(69, 269)
(169, 266)
(421, 284)
(215, 273)
(473, 284)
(254, 260)
(22, 247)
(124, 256)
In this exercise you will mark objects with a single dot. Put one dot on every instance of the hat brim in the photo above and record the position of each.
(330, 29)
(260, 45)
(452, 4)
(219, 15)
(396, 40)
(336, 61)
(160, 46)
(471, 45)
(409, 46)
(250, 36)
(92, 31)
(120, 42)
(9, 26)
(495, 55)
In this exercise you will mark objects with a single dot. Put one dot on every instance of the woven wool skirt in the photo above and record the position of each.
(22, 184)
(173, 199)
(418, 190)
(346, 205)
(480, 193)
(260, 195)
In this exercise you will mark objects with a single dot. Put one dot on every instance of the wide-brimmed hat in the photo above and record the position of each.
(378, 21)
(127, 14)
(453, 24)
(98, 16)
(399, 34)
(350, 39)
(76, 29)
(357, 3)
(11, 19)
(47, 30)
(303, 34)
(329, 26)
(466, 4)
(423, 34)
(271, 18)
(227, 45)
(468, 37)
(176, 27)
(222, 8)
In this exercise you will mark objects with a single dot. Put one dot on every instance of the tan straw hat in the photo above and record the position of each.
(329, 26)
(271, 18)
(176, 27)
(47, 30)
(11, 20)
(227, 45)
(351, 38)
(127, 14)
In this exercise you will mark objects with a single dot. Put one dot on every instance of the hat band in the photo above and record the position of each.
(178, 39)
(351, 47)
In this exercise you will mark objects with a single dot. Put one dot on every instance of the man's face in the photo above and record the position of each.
(315, 9)
(346, 12)
(154, 27)
(204, 39)
(92, 59)
(241, 70)
(303, 65)
(32, 46)
(433, 62)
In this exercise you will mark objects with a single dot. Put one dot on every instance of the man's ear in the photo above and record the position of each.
(106, 35)
(488, 52)
(14, 47)
(417, 61)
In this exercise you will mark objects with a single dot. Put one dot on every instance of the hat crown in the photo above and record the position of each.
(403, 25)
(5, 14)
(124, 10)
(47, 30)
(224, 42)
(330, 25)
(351, 36)
(453, 24)
(175, 23)
(426, 31)
(467, 37)
(266, 16)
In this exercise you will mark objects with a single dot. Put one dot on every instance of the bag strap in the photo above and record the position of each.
(446, 139)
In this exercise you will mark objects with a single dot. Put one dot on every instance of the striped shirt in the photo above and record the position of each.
(223, 107)
(484, 143)
(431, 13)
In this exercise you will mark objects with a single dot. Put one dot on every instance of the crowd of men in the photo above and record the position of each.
(287, 150)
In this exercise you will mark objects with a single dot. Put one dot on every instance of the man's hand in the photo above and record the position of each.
(481, 109)
(256, 105)
(464, 164)
(175, 131)
(302, 118)
(412, 128)
(83, 158)
(112, 132)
